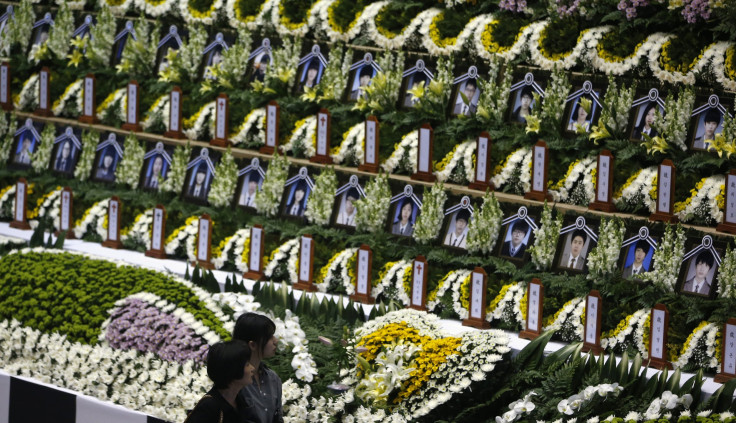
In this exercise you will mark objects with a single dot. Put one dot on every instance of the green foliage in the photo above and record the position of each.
(269, 197)
(128, 172)
(184, 64)
(485, 225)
(178, 172)
(373, 209)
(102, 36)
(319, 208)
(230, 73)
(58, 42)
(70, 294)
(90, 139)
(225, 183)
(429, 222)
(20, 28)
(139, 55)
(42, 155)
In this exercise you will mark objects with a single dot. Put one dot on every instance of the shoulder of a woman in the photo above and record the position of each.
(204, 410)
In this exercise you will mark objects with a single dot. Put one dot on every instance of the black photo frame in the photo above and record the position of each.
(344, 210)
(521, 98)
(27, 137)
(250, 182)
(297, 191)
(361, 74)
(457, 224)
(642, 114)
(121, 39)
(701, 253)
(213, 55)
(65, 154)
(156, 166)
(310, 69)
(580, 237)
(706, 122)
(637, 253)
(575, 115)
(171, 41)
(465, 94)
(419, 74)
(406, 207)
(259, 61)
(200, 175)
(108, 155)
(518, 236)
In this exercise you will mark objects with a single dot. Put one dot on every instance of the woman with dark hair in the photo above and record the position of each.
(264, 395)
(645, 123)
(579, 117)
(229, 367)
(524, 107)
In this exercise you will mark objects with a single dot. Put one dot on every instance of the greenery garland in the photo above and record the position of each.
(139, 55)
(493, 100)
(90, 139)
(667, 259)
(269, 197)
(603, 259)
(178, 171)
(42, 155)
(225, 181)
(485, 225)
(101, 39)
(184, 63)
(545, 239)
(372, 210)
(128, 171)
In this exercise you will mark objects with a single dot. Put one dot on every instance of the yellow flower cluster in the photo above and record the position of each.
(523, 305)
(653, 191)
(285, 21)
(555, 56)
(385, 269)
(188, 123)
(434, 354)
(406, 282)
(333, 23)
(729, 65)
(490, 44)
(689, 339)
(218, 250)
(665, 60)
(244, 18)
(445, 161)
(434, 32)
(326, 268)
(8, 188)
(351, 269)
(610, 57)
(645, 331)
(106, 103)
(380, 17)
(205, 12)
(680, 205)
(551, 319)
(561, 182)
(181, 228)
(374, 342)
(64, 95)
(622, 325)
(500, 296)
(620, 190)
(246, 250)
(32, 214)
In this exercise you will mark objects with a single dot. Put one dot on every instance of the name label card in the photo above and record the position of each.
(272, 128)
(322, 153)
(482, 158)
(477, 304)
(65, 217)
(419, 283)
(203, 240)
(665, 192)
(363, 275)
(5, 86)
(728, 352)
(113, 224)
(592, 335)
(88, 100)
(174, 114)
(157, 233)
(306, 253)
(729, 214)
(370, 153)
(535, 298)
(255, 256)
(19, 213)
(131, 115)
(221, 121)
(424, 154)
(659, 321)
(44, 109)
(604, 184)
(540, 160)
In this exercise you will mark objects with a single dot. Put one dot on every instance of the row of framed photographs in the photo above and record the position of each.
(582, 111)
(577, 238)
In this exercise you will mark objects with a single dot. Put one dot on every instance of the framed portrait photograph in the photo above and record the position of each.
(345, 197)
(582, 109)
(171, 41)
(521, 98)
(699, 269)
(706, 122)
(66, 151)
(466, 93)
(643, 113)
(637, 252)
(361, 75)
(84, 29)
(121, 39)
(27, 138)
(405, 210)
(250, 183)
(156, 165)
(310, 69)
(109, 154)
(212, 55)
(457, 222)
(576, 241)
(296, 194)
(417, 76)
(518, 235)
(41, 30)
(200, 173)
(260, 60)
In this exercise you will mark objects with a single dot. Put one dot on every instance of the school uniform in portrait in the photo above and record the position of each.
(574, 258)
(24, 150)
(155, 175)
(524, 106)
(701, 281)
(64, 158)
(260, 67)
(310, 75)
(347, 212)
(516, 247)
(644, 125)
(639, 263)
(711, 121)
(457, 232)
(106, 166)
(297, 202)
(415, 80)
(198, 184)
(251, 186)
(362, 79)
(469, 89)
(404, 219)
